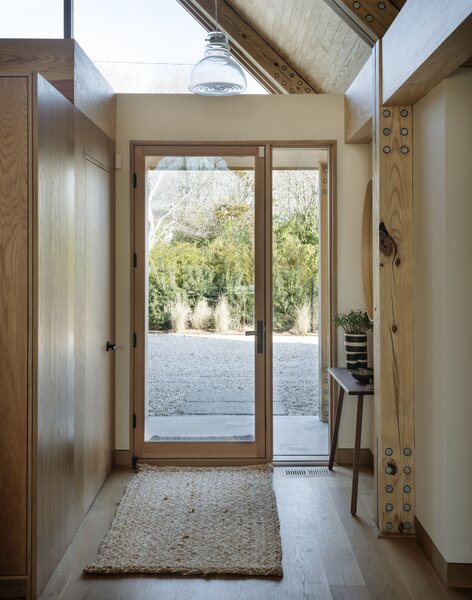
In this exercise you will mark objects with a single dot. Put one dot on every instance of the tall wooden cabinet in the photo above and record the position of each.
(56, 316)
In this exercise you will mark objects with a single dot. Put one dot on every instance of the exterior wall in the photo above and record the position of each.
(183, 118)
(443, 300)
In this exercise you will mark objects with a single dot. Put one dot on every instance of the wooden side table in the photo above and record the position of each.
(352, 387)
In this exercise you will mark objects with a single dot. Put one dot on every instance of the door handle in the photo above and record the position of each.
(111, 346)
(260, 336)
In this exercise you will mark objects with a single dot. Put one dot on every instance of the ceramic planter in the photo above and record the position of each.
(355, 346)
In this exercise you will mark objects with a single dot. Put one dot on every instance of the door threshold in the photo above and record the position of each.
(301, 461)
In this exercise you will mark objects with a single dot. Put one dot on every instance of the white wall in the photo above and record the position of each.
(183, 118)
(443, 303)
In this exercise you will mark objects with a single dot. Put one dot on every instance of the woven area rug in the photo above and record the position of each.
(195, 521)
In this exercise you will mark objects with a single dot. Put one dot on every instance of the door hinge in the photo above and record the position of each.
(134, 421)
(135, 260)
(135, 340)
(135, 180)
(261, 151)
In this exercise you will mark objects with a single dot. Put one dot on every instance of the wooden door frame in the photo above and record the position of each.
(331, 147)
(182, 452)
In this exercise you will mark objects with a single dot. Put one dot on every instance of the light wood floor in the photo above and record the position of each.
(327, 553)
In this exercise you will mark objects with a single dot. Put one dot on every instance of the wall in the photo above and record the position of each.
(443, 300)
(245, 118)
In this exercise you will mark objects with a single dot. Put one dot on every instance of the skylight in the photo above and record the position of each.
(143, 46)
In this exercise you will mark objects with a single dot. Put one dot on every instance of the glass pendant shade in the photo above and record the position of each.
(217, 74)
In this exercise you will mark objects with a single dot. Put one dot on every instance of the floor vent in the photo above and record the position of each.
(314, 472)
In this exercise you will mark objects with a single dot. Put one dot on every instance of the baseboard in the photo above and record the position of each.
(345, 456)
(14, 588)
(122, 458)
(456, 575)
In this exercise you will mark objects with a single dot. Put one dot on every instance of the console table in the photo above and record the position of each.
(352, 387)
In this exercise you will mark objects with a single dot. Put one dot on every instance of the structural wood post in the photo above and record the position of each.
(393, 313)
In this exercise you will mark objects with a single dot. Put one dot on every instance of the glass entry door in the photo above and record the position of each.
(199, 303)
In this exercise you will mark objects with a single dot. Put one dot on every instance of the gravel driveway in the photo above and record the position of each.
(214, 374)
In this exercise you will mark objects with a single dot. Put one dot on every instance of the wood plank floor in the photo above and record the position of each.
(327, 553)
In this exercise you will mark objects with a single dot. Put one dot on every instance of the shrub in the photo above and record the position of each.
(222, 315)
(201, 315)
(162, 294)
(179, 313)
(303, 319)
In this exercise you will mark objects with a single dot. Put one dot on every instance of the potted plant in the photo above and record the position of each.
(356, 324)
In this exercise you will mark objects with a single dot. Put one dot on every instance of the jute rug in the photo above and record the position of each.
(195, 521)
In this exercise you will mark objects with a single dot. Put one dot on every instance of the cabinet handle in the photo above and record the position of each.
(111, 346)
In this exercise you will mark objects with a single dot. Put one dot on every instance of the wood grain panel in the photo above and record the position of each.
(92, 94)
(58, 513)
(393, 315)
(14, 371)
(65, 65)
(311, 37)
(54, 59)
(359, 106)
(427, 42)
(98, 330)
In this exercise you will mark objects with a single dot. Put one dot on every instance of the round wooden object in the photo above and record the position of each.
(367, 270)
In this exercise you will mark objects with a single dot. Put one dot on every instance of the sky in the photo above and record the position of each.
(146, 31)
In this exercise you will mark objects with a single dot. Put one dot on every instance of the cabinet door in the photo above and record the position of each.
(99, 329)
(14, 371)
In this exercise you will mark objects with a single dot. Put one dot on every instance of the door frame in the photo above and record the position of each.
(267, 454)
(190, 452)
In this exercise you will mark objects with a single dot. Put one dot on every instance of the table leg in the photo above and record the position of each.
(357, 451)
(334, 441)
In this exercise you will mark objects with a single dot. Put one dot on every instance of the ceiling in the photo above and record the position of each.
(311, 37)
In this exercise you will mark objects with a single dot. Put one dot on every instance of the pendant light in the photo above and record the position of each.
(217, 74)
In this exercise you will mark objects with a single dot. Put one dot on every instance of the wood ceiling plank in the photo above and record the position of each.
(427, 42)
(313, 38)
(250, 49)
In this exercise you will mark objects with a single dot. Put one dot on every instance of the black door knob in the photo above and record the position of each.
(111, 346)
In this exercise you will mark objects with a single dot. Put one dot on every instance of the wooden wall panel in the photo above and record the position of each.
(54, 59)
(14, 371)
(65, 65)
(92, 94)
(58, 513)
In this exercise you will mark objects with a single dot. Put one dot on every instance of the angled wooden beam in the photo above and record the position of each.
(359, 106)
(368, 18)
(426, 43)
(250, 49)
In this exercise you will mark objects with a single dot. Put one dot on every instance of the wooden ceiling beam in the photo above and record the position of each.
(426, 43)
(359, 106)
(264, 63)
(368, 18)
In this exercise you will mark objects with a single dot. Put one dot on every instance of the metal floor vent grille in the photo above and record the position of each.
(314, 472)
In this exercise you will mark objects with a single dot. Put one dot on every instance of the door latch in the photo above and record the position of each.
(111, 346)
(260, 336)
